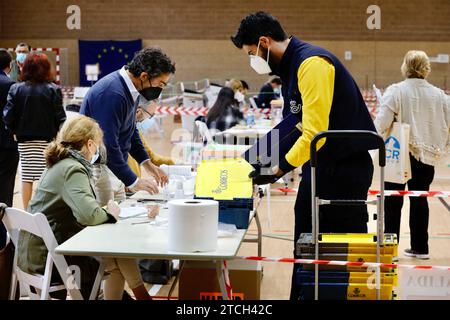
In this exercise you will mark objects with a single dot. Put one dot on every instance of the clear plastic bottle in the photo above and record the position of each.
(179, 191)
(250, 117)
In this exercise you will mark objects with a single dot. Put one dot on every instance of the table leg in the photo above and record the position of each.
(269, 210)
(221, 278)
(175, 281)
(258, 226)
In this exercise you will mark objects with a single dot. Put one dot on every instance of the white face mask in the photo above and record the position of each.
(260, 65)
(239, 96)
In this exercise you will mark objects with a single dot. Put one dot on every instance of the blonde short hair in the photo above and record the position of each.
(74, 134)
(416, 64)
(236, 85)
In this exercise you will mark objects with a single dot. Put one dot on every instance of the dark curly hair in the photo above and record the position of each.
(257, 25)
(151, 60)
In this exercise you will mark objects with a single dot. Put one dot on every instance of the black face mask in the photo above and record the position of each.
(150, 93)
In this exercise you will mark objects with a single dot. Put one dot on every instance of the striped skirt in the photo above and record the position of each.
(32, 161)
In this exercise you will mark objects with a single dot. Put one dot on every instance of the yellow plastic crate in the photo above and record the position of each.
(348, 243)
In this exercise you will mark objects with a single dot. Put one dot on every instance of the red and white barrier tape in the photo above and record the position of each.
(392, 193)
(227, 280)
(191, 111)
(343, 263)
(196, 111)
(428, 194)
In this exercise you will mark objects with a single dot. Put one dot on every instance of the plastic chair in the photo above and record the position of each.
(37, 224)
(204, 132)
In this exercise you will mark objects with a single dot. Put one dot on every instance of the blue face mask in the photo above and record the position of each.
(95, 156)
(20, 57)
(145, 125)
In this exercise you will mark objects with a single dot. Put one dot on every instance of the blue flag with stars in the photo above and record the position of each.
(110, 55)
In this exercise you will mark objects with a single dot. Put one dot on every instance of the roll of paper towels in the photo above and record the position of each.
(193, 225)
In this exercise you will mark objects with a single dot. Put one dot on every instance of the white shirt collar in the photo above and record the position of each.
(134, 93)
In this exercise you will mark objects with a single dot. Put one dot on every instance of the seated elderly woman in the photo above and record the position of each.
(66, 198)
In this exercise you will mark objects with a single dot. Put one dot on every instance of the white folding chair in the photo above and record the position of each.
(204, 132)
(37, 224)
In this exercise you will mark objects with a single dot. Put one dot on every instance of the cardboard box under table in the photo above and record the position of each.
(198, 280)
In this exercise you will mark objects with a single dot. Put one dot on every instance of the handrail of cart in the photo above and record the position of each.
(361, 134)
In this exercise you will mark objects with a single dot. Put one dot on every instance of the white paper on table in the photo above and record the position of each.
(130, 212)
(225, 230)
(144, 195)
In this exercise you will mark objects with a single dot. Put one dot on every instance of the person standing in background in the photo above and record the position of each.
(22, 51)
(113, 100)
(427, 110)
(271, 90)
(9, 156)
(34, 113)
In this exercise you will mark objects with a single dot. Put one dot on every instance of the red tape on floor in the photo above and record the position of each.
(343, 263)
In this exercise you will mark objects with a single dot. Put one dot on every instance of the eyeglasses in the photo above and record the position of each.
(162, 84)
(151, 115)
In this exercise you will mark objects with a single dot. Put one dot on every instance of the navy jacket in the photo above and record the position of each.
(266, 95)
(110, 103)
(34, 111)
(348, 109)
(6, 136)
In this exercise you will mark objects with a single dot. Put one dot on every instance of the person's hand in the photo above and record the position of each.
(146, 185)
(153, 211)
(159, 175)
(113, 209)
(262, 176)
(277, 171)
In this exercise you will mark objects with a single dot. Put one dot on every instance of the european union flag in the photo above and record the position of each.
(110, 55)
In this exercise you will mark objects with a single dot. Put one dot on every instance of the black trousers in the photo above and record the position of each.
(422, 176)
(9, 159)
(346, 179)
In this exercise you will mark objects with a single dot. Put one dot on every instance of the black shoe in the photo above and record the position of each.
(415, 254)
(126, 296)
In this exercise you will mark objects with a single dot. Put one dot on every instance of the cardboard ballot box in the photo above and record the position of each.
(198, 280)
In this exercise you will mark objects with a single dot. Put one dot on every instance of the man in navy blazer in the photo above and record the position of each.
(112, 102)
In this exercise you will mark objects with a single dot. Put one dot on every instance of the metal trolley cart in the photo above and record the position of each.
(315, 237)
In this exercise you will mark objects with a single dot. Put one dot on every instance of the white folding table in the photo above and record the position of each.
(134, 238)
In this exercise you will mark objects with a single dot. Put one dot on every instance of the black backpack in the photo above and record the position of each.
(156, 271)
